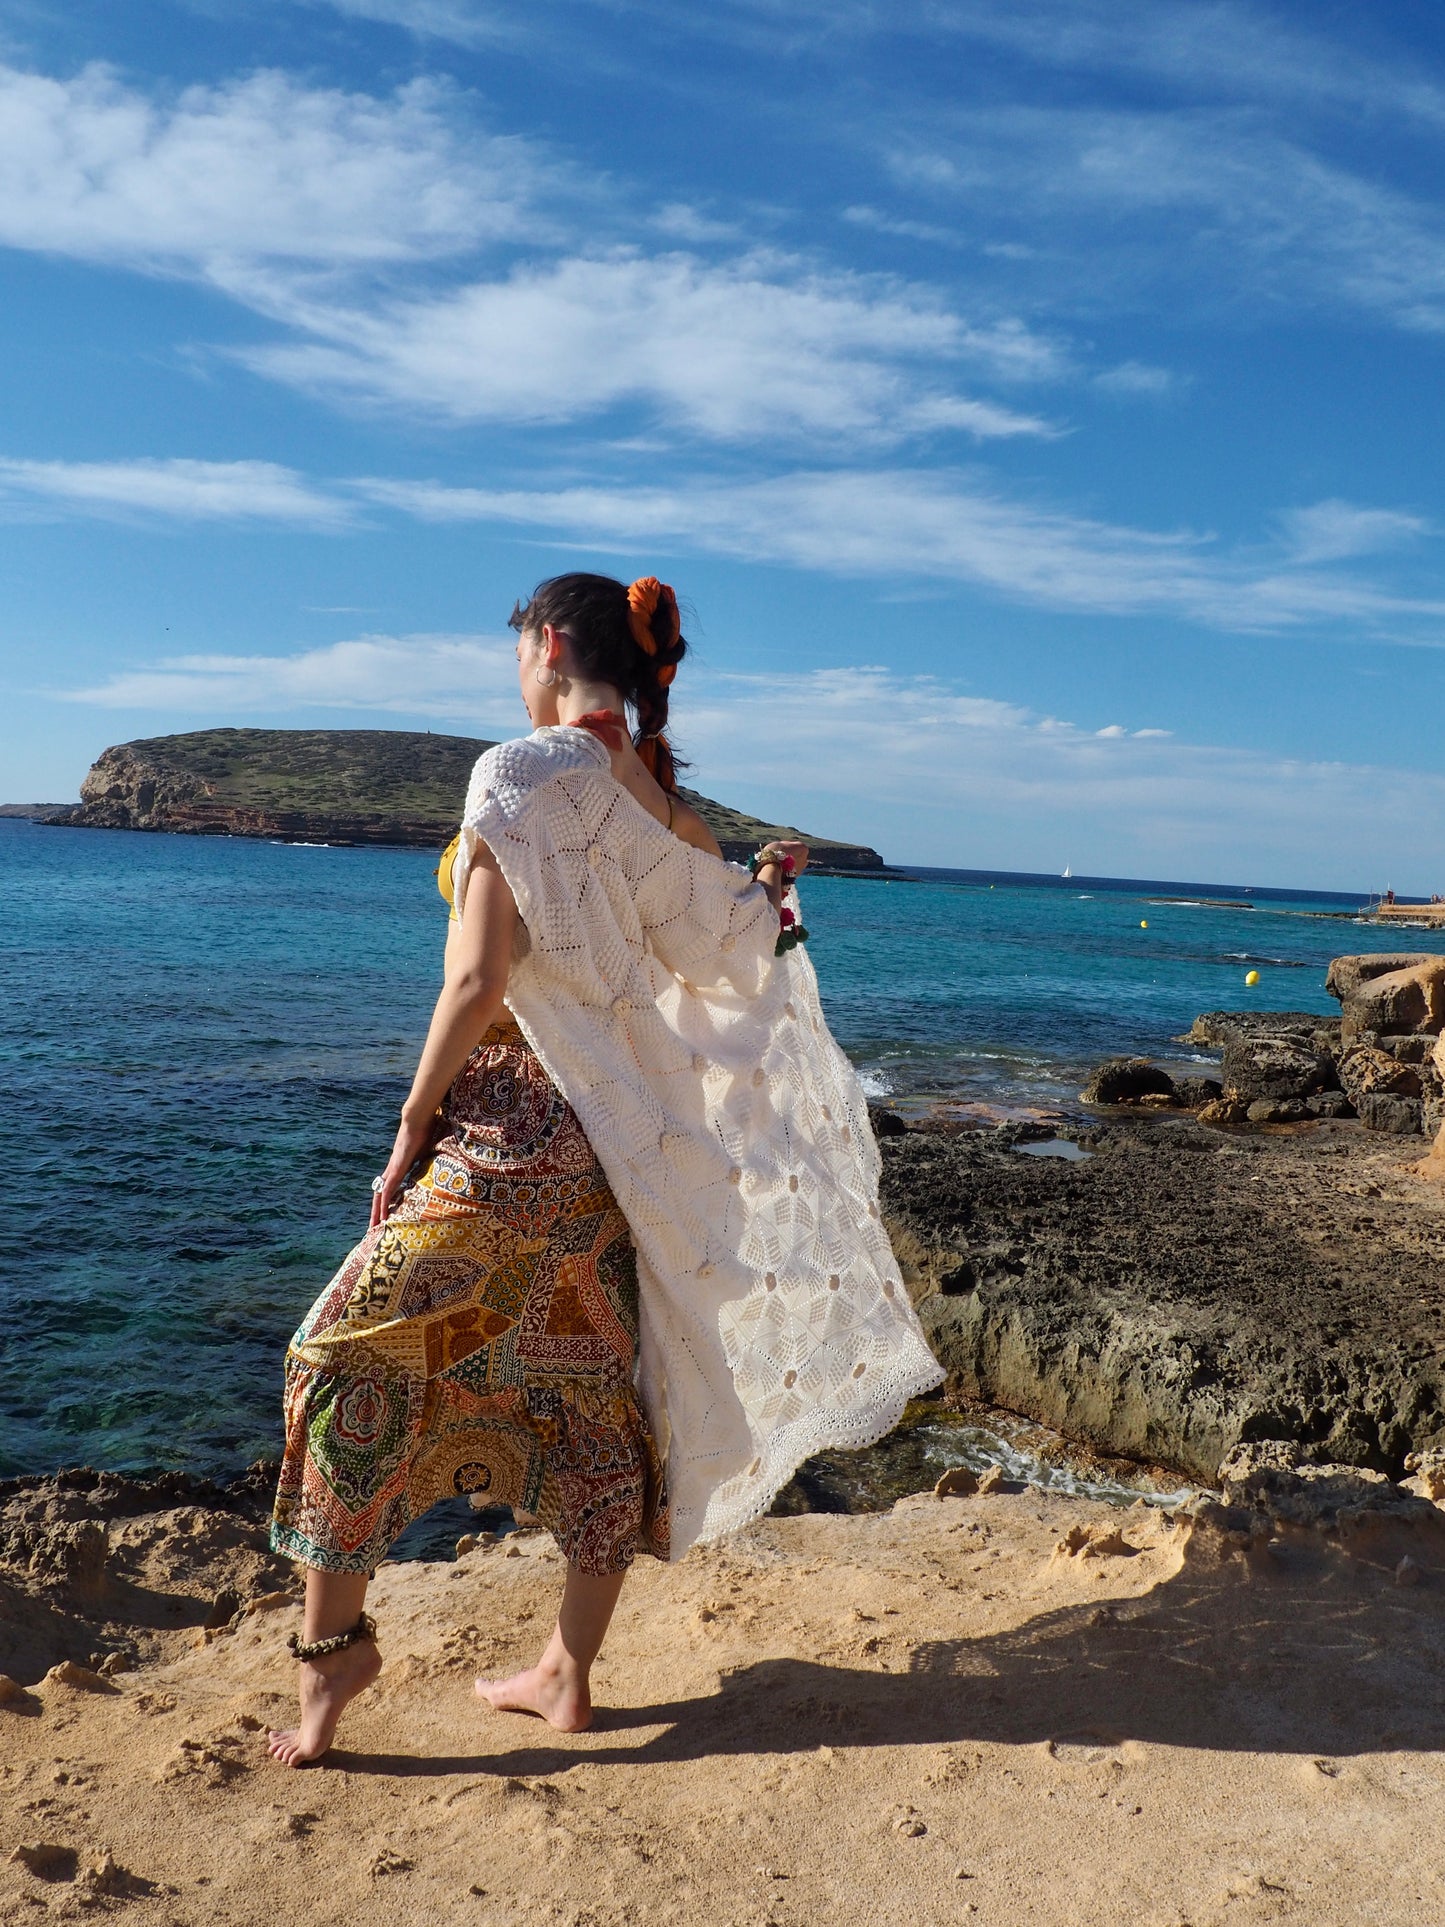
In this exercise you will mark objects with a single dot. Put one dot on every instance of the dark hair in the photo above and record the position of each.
(595, 612)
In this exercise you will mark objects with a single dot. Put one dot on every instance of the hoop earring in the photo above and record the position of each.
(546, 675)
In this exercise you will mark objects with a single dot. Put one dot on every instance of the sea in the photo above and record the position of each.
(204, 1042)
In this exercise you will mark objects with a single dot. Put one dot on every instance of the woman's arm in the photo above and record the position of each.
(687, 824)
(774, 874)
(478, 958)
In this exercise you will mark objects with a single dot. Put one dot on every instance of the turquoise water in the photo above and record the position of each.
(204, 1043)
(1008, 992)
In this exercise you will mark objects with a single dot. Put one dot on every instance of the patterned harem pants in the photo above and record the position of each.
(482, 1340)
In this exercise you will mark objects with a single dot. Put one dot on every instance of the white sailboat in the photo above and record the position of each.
(1068, 872)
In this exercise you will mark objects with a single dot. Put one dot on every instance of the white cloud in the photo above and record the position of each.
(1132, 801)
(1241, 52)
(1145, 200)
(984, 420)
(1001, 779)
(1334, 531)
(420, 675)
(1208, 44)
(186, 490)
(1135, 378)
(890, 524)
(304, 204)
(749, 349)
(468, 24)
(258, 169)
(849, 522)
(908, 230)
(951, 527)
(680, 221)
(1236, 51)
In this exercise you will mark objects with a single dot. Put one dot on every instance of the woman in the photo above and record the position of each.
(642, 1274)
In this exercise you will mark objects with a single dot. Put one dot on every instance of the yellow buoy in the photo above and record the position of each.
(1251, 977)
(1143, 923)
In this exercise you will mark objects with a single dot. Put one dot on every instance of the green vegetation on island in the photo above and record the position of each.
(337, 786)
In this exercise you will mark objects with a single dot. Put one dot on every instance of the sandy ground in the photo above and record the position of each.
(1007, 1708)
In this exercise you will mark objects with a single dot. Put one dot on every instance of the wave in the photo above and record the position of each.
(1201, 903)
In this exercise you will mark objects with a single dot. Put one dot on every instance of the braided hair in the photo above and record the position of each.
(628, 636)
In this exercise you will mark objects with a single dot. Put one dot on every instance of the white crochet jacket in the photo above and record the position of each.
(731, 1127)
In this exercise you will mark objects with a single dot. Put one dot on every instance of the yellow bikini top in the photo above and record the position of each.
(444, 873)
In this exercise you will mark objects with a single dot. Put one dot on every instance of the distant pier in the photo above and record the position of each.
(1432, 915)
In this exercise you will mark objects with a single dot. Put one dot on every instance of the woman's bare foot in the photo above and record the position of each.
(557, 1688)
(328, 1687)
(555, 1694)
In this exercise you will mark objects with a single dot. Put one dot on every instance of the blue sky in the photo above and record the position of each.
(1038, 405)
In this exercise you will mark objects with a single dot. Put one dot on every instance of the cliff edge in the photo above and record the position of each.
(982, 1710)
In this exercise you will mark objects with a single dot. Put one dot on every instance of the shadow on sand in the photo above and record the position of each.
(1294, 1653)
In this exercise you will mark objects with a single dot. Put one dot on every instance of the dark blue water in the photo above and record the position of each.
(204, 1043)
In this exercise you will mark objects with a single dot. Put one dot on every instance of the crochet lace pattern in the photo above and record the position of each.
(731, 1127)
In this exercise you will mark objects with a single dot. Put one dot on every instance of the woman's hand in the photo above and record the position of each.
(785, 861)
(413, 1141)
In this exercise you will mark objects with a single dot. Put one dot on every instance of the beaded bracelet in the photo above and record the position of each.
(769, 855)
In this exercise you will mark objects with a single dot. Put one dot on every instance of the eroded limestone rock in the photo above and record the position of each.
(1259, 1068)
(1389, 995)
(1127, 1080)
(70, 1551)
(1277, 1477)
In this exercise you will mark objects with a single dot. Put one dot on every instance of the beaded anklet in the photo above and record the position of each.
(365, 1628)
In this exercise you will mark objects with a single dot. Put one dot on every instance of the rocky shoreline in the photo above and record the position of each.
(1254, 1257)
(1014, 1705)
(1184, 1289)
(1381, 1061)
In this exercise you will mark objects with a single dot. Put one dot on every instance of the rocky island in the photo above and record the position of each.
(337, 786)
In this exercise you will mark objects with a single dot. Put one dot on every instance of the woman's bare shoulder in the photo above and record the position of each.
(687, 824)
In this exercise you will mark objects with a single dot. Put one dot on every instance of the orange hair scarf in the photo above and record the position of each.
(645, 597)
